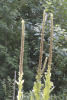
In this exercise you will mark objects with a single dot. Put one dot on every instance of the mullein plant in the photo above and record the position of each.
(48, 84)
(20, 80)
(40, 93)
(38, 85)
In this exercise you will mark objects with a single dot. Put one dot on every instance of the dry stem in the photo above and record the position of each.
(51, 42)
(22, 49)
(41, 44)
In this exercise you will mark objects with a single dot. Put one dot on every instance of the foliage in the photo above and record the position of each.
(60, 96)
(7, 89)
(11, 12)
(10, 41)
(41, 92)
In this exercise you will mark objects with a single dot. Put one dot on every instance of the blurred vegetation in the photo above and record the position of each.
(53, 97)
(11, 12)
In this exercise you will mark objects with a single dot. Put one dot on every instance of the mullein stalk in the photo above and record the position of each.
(20, 81)
(41, 45)
(51, 41)
(37, 85)
(48, 84)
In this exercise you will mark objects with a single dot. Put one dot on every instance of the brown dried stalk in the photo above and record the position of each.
(20, 81)
(51, 41)
(22, 49)
(41, 44)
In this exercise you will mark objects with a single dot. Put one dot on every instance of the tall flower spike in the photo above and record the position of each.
(51, 41)
(20, 81)
(41, 44)
(48, 84)
(22, 49)
(37, 85)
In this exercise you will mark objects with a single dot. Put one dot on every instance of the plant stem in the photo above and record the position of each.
(22, 49)
(51, 41)
(41, 44)
(20, 83)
